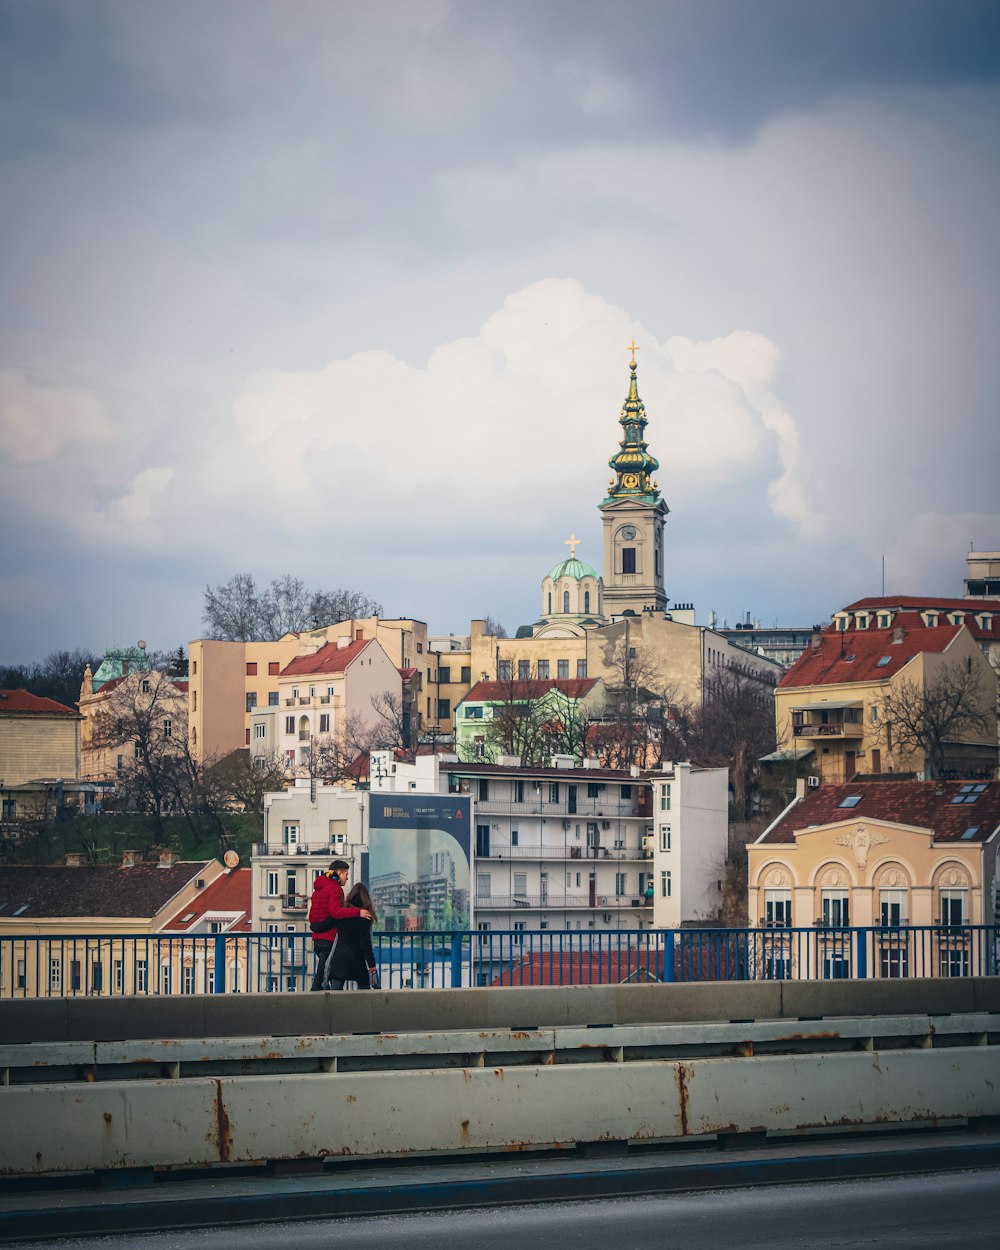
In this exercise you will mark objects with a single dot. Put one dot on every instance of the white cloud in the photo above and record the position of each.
(39, 421)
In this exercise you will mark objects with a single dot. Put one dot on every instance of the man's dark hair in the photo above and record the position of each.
(339, 864)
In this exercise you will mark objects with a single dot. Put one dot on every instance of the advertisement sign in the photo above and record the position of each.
(419, 861)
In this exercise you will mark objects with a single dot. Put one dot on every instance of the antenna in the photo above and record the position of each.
(883, 575)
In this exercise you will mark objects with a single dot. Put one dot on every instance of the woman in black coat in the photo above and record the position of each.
(352, 958)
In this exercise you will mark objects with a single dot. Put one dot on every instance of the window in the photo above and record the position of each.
(892, 908)
(836, 909)
(503, 670)
(562, 669)
(260, 731)
(251, 700)
(75, 974)
(444, 709)
(247, 739)
(628, 559)
(141, 976)
(273, 668)
(482, 839)
(778, 909)
(324, 722)
(187, 979)
(194, 668)
(165, 979)
(565, 600)
(836, 966)
(519, 790)
(194, 700)
(586, 601)
(271, 888)
(168, 728)
(251, 668)
(553, 791)
(524, 670)
(664, 837)
(581, 668)
(777, 968)
(593, 789)
(550, 603)
(515, 836)
(543, 670)
(626, 792)
(473, 713)
(954, 909)
(852, 800)
(289, 724)
(520, 883)
(666, 884)
(482, 885)
(484, 788)
(968, 793)
(444, 674)
(272, 698)
(665, 798)
(466, 674)
(144, 686)
(291, 884)
(289, 835)
(118, 976)
(621, 883)
(10, 805)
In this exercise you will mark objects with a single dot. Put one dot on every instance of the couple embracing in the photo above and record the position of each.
(342, 931)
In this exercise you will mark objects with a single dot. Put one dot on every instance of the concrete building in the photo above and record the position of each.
(781, 643)
(831, 702)
(891, 854)
(39, 738)
(982, 575)
(527, 717)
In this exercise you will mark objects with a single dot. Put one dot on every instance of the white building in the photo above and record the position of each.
(583, 848)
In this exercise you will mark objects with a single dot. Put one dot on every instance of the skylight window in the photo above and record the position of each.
(969, 793)
(848, 659)
(21, 910)
(970, 833)
(886, 659)
(189, 917)
(852, 800)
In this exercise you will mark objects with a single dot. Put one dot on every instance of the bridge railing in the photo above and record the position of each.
(119, 965)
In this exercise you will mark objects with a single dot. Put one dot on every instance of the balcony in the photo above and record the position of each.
(535, 804)
(559, 902)
(294, 903)
(837, 729)
(566, 852)
(319, 847)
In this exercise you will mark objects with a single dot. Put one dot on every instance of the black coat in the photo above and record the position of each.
(353, 954)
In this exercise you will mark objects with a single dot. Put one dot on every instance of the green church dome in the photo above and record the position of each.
(572, 568)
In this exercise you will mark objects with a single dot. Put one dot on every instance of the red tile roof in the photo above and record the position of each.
(916, 604)
(506, 691)
(21, 701)
(111, 892)
(829, 663)
(926, 804)
(328, 659)
(228, 893)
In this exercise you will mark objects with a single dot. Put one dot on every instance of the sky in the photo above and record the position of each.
(345, 291)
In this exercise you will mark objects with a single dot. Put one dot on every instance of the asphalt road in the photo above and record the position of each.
(897, 1213)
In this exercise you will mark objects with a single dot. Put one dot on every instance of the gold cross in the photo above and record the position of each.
(572, 542)
(634, 347)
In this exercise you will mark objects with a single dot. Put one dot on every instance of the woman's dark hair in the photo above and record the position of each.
(358, 896)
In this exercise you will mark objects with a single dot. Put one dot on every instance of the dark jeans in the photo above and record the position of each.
(322, 951)
(334, 984)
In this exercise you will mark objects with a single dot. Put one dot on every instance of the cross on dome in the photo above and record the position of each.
(572, 543)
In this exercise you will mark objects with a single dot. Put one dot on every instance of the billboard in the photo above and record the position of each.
(419, 867)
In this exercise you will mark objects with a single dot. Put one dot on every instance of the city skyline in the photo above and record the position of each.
(346, 293)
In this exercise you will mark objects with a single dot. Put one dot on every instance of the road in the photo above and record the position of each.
(895, 1213)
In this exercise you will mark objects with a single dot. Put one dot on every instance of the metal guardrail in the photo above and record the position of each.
(112, 966)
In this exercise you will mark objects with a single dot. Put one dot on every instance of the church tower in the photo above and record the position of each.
(633, 514)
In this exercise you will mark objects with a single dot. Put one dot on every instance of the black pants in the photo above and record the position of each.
(322, 951)
(363, 983)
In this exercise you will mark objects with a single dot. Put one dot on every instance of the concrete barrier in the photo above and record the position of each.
(242, 1015)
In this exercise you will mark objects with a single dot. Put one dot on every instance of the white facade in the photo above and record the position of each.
(690, 839)
(305, 827)
(566, 848)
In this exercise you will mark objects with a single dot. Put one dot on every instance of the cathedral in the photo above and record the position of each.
(575, 597)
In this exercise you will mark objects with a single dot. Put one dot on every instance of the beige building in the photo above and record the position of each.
(890, 854)
(124, 712)
(830, 705)
(982, 575)
(39, 738)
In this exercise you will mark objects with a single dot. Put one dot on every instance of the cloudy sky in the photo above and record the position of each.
(344, 290)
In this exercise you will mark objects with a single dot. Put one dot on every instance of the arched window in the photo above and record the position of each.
(550, 603)
(586, 601)
(565, 600)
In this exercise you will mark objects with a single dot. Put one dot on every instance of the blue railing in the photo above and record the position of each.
(110, 965)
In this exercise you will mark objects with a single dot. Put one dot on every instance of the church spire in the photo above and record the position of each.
(633, 466)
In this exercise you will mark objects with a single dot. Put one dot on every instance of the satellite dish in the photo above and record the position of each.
(230, 859)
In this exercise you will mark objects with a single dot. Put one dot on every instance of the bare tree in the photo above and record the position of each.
(736, 723)
(493, 629)
(238, 612)
(394, 724)
(57, 677)
(640, 703)
(952, 708)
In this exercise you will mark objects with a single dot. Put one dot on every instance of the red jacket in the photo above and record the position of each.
(328, 901)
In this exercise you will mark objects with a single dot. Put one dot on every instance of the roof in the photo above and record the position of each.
(574, 568)
(916, 604)
(518, 691)
(926, 804)
(135, 893)
(830, 663)
(24, 703)
(328, 659)
(228, 893)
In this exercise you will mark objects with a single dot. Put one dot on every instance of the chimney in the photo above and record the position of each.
(342, 643)
(168, 859)
(131, 858)
(817, 641)
(898, 634)
(74, 860)
(800, 787)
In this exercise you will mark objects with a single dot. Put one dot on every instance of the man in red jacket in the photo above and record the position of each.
(325, 908)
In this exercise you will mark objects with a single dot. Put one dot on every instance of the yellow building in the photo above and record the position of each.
(892, 854)
(831, 704)
(38, 738)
